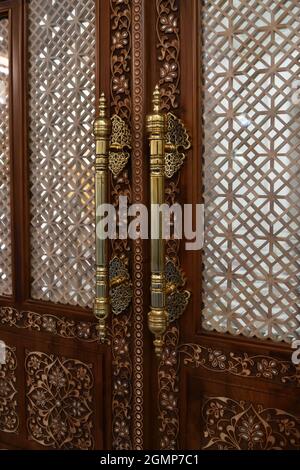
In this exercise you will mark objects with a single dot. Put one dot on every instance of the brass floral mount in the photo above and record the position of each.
(177, 297)
(120, 285)
(120, 145)
(177, 142)
(168, 141)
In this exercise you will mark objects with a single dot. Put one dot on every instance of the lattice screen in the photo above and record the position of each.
(5, 228)
(61, 105)
(252, 167)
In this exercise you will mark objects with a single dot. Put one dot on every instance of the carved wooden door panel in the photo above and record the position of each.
(226, 379)
(55, 385)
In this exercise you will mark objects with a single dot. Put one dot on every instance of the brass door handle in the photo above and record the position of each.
(168, 141)
(113, 284)
(158, 315)
(102, 132)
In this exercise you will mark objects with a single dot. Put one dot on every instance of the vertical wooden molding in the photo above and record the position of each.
(121, 103)
(138, 169)
(168, 47)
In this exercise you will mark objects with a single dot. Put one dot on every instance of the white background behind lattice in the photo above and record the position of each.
(61, 107)
(252, 155)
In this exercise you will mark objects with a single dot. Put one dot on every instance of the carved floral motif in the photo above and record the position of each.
(9, 420)
(168, 45)
(58, 326)
(240, 364)
(121, 103)
(232, 425)
(121, 57)
(167, 28)
(59, 394)
(168, 413)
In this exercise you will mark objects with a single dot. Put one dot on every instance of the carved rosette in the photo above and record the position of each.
(59, 401)
(121, 103)
(9, 420)
(233, 425)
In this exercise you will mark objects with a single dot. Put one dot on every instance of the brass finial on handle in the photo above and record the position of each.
(102, 132)
(158, 316)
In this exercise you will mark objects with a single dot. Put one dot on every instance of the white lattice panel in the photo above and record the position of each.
(61, 106)
(5, 231)
(252, 167)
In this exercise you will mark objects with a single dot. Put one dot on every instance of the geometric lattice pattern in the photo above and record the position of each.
(61, 109)
(5, 222)
(252, 167)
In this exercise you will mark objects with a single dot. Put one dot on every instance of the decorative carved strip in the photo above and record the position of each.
(168, 45)
(121, 58)
(5, 205)
(121, 104)
(59, 401)
(138, 196)
(233, 425)
(9, 420)
(240, 364)
(57, 326)
(168, 413)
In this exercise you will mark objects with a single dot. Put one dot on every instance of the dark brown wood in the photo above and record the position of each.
(195, 382)
(35, 339)
(200, 364)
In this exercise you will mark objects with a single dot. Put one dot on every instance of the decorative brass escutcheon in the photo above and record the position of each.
(120, 145)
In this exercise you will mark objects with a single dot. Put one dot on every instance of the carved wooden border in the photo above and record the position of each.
(121, 104)
(168, 46)
(240, 364)
(9, 418)
(47, 323)
(138, 197)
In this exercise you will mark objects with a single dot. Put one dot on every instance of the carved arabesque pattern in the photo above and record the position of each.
(5, 211)
(233, 425)
(61, 68)
(240, 364)
(9, 419)
(59, 394)
(168, 45)
(167, 28)
(168, 412)
(47, 323)
(121, 58)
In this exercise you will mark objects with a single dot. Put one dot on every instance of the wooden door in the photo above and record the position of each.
(216, 386)
(226, 379)
(56, 382)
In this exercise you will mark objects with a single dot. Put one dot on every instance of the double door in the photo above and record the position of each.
(226, 375)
